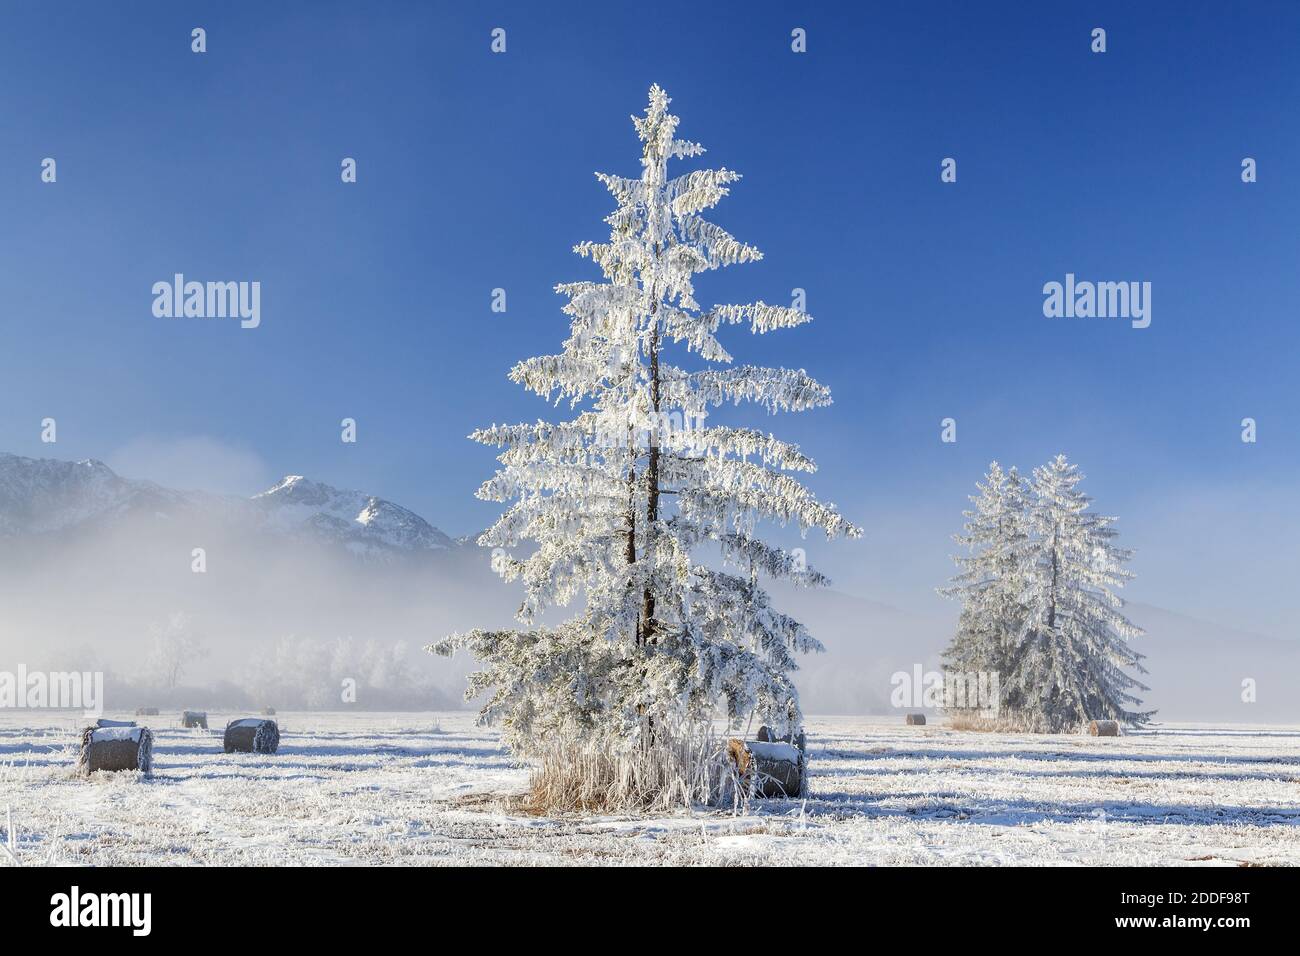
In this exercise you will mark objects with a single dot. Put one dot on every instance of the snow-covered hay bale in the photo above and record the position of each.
(116, 748)
(194, 718)
(252, 735)
(268, 711)
(1104, 728)
(768, 768)
(767, 735)
(146, 712)
(105, 722)
(916, 720)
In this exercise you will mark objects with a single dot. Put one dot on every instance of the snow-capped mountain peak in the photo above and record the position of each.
(359, 520)
(39, 496)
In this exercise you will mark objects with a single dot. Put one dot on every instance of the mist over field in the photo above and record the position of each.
(93, 595)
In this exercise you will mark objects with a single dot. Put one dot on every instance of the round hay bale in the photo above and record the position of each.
(194, 718)
(1104, 728)
(116, 748)
(105, 722)
(252, 735)
(768, 768)
(268, 711)
(146, 712)
(916, 720)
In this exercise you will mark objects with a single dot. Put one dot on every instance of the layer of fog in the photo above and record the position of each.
(288, 623)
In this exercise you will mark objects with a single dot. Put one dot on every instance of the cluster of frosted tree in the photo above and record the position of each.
(620, 501)
(174, 648)
(304, 673)
(1039, 608)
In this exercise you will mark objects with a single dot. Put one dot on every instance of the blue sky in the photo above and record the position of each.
(475, 172)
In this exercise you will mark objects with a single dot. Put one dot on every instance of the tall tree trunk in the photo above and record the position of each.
(630, 552)
(652, 468)
(652, 483)
(1056, 570)
(647, 627)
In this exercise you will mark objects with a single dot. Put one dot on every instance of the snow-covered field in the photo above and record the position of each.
(420, 789)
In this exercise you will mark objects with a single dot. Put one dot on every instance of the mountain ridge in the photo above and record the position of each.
(47, 495)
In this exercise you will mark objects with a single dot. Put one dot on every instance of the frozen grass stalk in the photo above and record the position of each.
(676, 770)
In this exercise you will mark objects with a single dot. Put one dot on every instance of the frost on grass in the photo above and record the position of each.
(645, 514)
(393, 789)
(684, 768)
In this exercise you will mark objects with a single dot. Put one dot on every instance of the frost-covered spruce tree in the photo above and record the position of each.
(638, 509)
(1074, 646)
(990, 579)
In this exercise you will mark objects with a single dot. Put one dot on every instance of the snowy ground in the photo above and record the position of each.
(404, 789)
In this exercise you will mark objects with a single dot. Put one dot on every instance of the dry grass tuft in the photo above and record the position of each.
(965, 720)
(675, 771)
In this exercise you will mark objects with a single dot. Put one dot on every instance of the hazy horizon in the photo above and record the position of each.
(475, 174)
